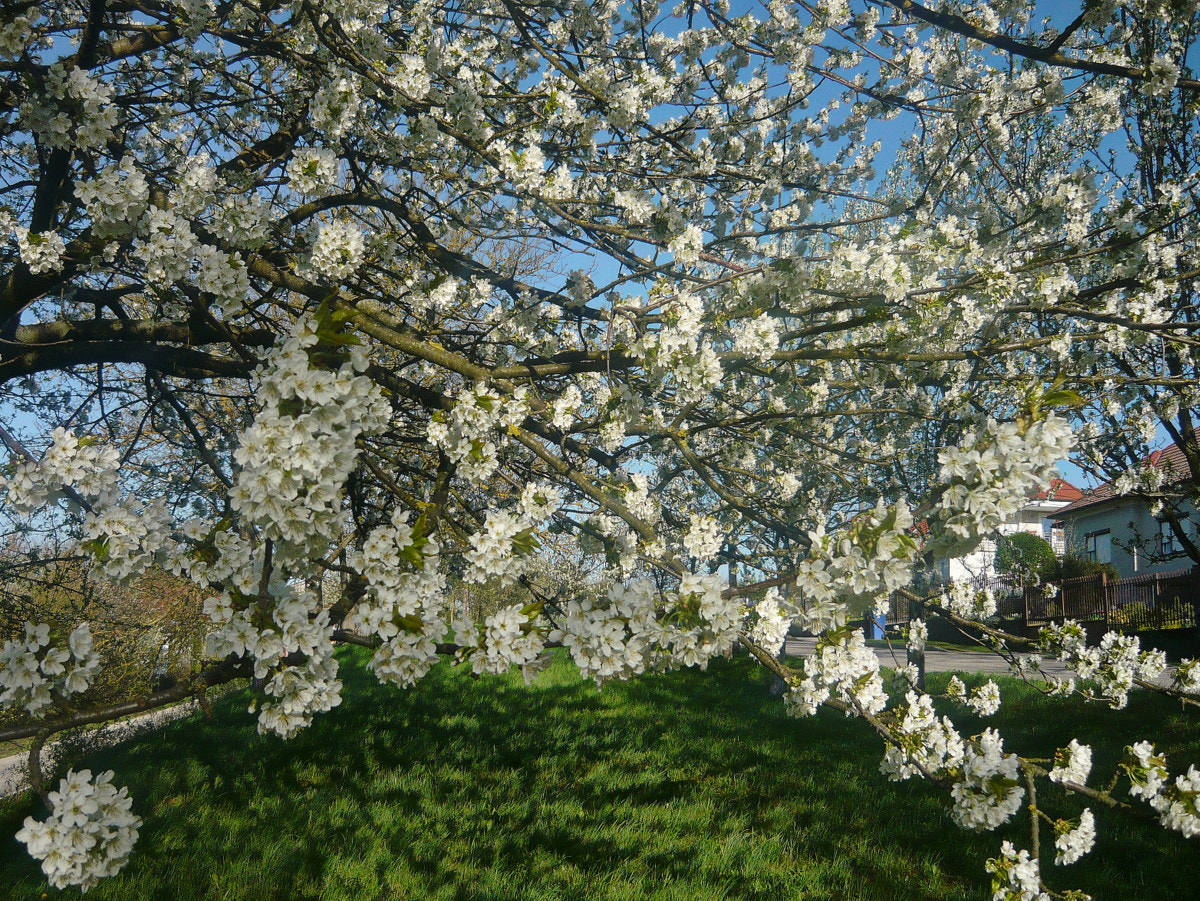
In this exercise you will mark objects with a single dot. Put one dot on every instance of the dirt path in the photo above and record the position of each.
(12, 769)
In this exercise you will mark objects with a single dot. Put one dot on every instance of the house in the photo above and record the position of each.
(1123, 529)
(1036, 517)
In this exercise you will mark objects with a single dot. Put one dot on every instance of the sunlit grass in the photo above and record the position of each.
(682, 786)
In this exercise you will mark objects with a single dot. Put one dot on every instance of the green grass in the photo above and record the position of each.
(683, 786)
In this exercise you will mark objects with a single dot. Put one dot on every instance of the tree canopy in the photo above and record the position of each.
(706, 300)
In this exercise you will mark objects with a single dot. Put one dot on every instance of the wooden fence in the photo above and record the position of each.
(1152, 601)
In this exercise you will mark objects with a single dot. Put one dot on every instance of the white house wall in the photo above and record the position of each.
(1134, 535)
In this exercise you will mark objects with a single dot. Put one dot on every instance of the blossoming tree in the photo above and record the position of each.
(833, 271)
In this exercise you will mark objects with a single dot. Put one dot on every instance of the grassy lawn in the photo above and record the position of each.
(683, 786)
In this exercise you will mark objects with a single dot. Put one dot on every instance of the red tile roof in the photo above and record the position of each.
(1170, 459)
(1059, 490)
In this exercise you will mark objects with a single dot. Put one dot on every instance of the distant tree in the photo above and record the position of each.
(1025, 554)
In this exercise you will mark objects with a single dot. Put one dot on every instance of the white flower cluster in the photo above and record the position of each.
(42, 252)
(758, 338)
(1015, 876)
(678, 348)
(985, 699)
(988, 791)
(124, 542)
(500, 549)
(338, 250)
(313, 170)
(466, 433)
(1147, 771)
(1112, 666)
(121, 541)
(89, 833)
(243, 220)
(844, 667)
(16, 33)
(1072, 763)
(539, 501)
(335, 107)
(1177, 803)
(1072, 840)
(296, 455)
(287, 621)
(969, 602)
(771, 623)
(1187, 676)
(924, 744)
(510, 638)
(75, 111)
(703, 537)
(89, 468)
(34, 668)
(167, 246)
(405, 608)
(687, 246)
(859, 566)
(989, 475)
(633, 629)
(917, 635)
(115, 199)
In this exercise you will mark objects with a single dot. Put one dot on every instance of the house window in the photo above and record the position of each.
(1167, 545)
(1098, 546)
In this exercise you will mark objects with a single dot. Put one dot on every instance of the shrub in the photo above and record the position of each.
(1025, 554)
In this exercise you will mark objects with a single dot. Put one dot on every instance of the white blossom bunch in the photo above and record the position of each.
(1072, 763)
(985, 699)
(1147, 771)
(41, 251)
(89, 833)
(115, 199)
(500, 549)
(510, 638)
(1112, 666)
(925, 745)
(125, 542)
(338, 251)
(861, 566)
(1015, 876)
(313, 170)
(843, 667)
(917, 635)
(771, 623)
(268, 630)
(967, 601)
(1178, 803)
(1187, 675)
(296, 455)
(467, 433)
(83, 464)
(633, 629)
(988, 476)
(73, 109)
(405, 605)
(703, 537)
(610, 637)
(988, 791)
(1074, 839)
(35, 668)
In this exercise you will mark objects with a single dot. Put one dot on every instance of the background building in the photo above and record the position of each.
(1037, 517)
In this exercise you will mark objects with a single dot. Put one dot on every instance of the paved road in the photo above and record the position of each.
(938, 660)
(12, 769)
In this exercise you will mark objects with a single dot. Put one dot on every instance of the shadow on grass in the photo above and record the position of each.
(687, 785)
